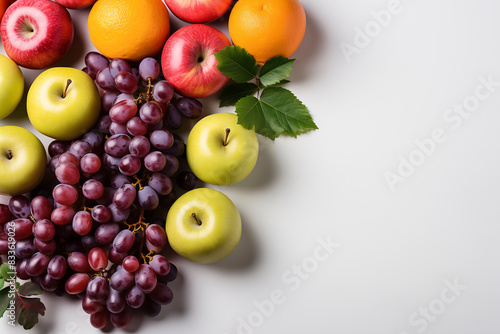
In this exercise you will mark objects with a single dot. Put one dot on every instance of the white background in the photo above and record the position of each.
(396, 249)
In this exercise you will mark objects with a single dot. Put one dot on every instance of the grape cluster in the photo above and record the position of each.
(93, 228)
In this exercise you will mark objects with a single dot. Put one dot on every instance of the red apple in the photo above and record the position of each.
(3, 6)
(188, 60)
(198, 11)
(36, 33)
(76, 4)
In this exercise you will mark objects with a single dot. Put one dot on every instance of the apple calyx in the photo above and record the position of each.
(66, 88)
(196, 218)
(27, 28)
(227, 136)
(9, 154)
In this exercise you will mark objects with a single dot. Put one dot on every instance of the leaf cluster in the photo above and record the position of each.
(262, 105)
(17, 297)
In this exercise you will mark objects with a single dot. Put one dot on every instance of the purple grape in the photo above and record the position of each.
(189, 107)
(19, 205)
(79, 148)
(48, 283)
(135, 297)
(121, 319)
(40, 207)
(171, 166)
(104, 79)
(65, 194)
(118, 128)
(117, 180)
(37, 264)
(106, 233)
(108, 99)
(45, 247)
(124, 96)
(110, 162)
(178, 148)
(124, 241)
(97, 289)
(82, 222)
(122, 111)
(163, 91)
(67, 173)
(24, 248)
(149, 68)
(150, 113)
(145, 278)
(124, 196)
(90, 163)
(103, 124)
(118, 215)
(91, 307)
(95, 61)
(78, 262)
(160, 265)
(173, 118)
(92, 189)
(150, 308)
(130, 165)
(118, 65)
(139, 146)
(44, 230)
(187, 180)
(136, 126)
(161, 139)
(155, 161)
(148, 198)
(156, 235)
(89, 72)
(117, 145)
(57, 147)
(122, 280)
(101, 213)
(161, 183)
(162, 294)
(125, 82)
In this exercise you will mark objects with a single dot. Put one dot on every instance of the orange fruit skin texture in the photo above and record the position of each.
(129, 29)
(267, 28)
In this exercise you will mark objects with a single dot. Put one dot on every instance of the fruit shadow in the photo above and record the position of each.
(264, 173)
(310, 47)
(246, 254)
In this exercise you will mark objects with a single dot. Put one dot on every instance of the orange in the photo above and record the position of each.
(267, 28)
(129, 29)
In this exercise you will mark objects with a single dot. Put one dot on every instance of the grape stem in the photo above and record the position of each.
(227, 136)
(66, 88)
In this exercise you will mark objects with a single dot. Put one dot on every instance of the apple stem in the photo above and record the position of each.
(66, 88)
(196, 218)
(227, 135)
(9, 154)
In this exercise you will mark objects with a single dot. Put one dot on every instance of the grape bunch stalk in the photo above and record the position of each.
(93, 228)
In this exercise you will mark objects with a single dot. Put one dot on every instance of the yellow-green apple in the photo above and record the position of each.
(220, 151)
(36, 33)
(76, 4)
(196, 11)
(11, 86)
(22, 160)
(203, 225)
(188, 60)
(63, 103)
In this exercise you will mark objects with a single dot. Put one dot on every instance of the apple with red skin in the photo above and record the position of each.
(36, 33)
(188, 60)
(196, 11)
(76, 4)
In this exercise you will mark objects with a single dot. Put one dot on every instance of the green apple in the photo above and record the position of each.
(22, 160)
(203, 225)
(11, 86)
(220, 151)
(63, 103)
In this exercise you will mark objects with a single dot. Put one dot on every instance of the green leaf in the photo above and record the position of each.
(237, 63)
(28, 311)
(4, 300)
(2, 283)
(277, 112)
(232, 93)
(275, 70)
(6, 272)
(279, 83)
(30, 289)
